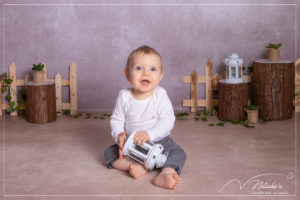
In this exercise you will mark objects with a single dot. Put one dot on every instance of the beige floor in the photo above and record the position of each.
(64, 160)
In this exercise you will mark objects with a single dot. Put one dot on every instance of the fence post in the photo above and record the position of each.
(208, 77)
(194, 91)
(13, 85)
(73, 89)
(58, 91)
(0, 95)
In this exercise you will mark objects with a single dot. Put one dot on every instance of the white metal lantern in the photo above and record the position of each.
(234, 71)
(150, 155)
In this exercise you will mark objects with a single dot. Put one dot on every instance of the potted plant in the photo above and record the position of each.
(38, 73)
(252, 113)
(274, 53)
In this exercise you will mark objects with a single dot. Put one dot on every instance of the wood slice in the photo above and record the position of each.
(41, 103)
(232, 100)
(273, 88)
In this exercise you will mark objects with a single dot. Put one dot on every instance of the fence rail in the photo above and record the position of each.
(211, 83)
(59, 83)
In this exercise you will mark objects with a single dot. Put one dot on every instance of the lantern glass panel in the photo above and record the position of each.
(227, 72)
(240, 72)
(233, 74)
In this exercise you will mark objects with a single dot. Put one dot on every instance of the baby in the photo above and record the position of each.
(147, 109)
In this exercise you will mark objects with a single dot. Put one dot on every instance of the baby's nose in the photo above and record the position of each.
(146, 72)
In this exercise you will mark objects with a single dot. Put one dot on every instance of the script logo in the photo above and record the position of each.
(264, 184)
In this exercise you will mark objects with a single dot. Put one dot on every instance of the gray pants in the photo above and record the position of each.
(175, 160)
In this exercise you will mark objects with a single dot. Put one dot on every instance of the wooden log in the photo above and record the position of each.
(272, 88)
(232, 100)
(41, 104)
(1, 95)
(297, 85)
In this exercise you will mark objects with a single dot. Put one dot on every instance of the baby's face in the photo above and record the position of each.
(145, 74)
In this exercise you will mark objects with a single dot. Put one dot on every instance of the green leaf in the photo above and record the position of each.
(8, 97)
(211, 125)
(238, 122)
(213, 111)
(220, 124)
(10, 109)
(9, 81)
(38, 67)
(266, 119)
(182, 114)
(249, 126)
(196, 118)
(22, 91)
(75, 116)
(204, 119)
(273, 46)
(12, 103)
(3, 89)
(4, 75)
(18, 108)
(67, 112)
(252, 107)
(102, 118)
(205, 112)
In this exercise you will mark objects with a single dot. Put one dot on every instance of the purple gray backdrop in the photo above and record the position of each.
(99, 35)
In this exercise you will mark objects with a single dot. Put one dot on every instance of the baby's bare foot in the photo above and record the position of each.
(167, 180)
(137, 170)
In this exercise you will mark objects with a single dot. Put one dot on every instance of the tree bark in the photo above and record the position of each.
(41, 103)
(232, 100)
(272, 89)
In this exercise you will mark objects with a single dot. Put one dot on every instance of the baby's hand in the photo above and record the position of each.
(121, 140)
(141, 137)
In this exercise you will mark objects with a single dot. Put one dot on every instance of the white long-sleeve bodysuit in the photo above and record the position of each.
(154, 115)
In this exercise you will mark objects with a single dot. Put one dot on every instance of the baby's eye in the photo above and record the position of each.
(138, 68)
(153, 69)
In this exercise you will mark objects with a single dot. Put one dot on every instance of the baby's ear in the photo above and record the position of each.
(126, 72)
(162, 75)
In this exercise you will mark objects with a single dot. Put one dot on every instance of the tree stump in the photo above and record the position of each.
(41, 102)
(232, 100)
(273, 88)
(0, 95)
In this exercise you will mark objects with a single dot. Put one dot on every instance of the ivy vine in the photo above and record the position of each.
(12, 107)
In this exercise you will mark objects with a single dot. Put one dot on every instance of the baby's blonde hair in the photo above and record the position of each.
(145, 50)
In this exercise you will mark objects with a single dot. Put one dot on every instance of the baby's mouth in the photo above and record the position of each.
(145, 82)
